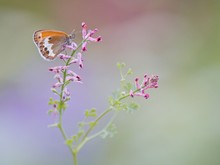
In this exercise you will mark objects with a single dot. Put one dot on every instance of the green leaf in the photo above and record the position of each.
(133, 107)
(91, 113)
(51, 102)
(55, 91)
(92, 124)
(67, 82)
(75, 138)
(117, 103)
(121, 107)
(50, 111)
(80, 133)
(61, 105)
(54, 102)
(81, 124)
(111, 100)
(129, 72)
(110, 131)
(116, 94)
(67, 99)
(64, 106)
(128, 86)
(121, 65)
(69, 142)
(122, 80)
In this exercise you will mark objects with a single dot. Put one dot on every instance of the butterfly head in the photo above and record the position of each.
(70, 39)
(71, 36)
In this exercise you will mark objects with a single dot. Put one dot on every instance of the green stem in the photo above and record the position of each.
(85, 137)
(65, 72)
(96, 121)
(100, 132)
(75, 160)
(60, 124)
(125, 96)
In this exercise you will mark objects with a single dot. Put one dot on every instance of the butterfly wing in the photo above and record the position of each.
(50, 43)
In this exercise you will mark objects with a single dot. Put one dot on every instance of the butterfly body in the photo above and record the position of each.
(50, 43)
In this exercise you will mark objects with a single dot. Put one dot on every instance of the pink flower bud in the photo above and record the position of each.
(58, 84)
(131, 93)
(64, 57)
(66, 92)
(59, 78)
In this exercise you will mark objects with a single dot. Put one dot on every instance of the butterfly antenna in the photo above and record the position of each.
(76, 32)
(73, 31)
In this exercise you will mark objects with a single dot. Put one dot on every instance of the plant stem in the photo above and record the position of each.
(75, 160)
(100, 132)
(85, 137)
(96, 121)
(60, 124)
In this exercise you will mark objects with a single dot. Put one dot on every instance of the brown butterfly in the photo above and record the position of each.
(50, 43)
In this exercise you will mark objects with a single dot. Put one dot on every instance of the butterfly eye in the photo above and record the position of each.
(72, 36)
(49, 38)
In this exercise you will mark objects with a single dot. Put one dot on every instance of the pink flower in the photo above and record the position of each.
(75, 60)
(54, 112)
(57, 85)
(152, 82)
(78, 60)
(71, 73)
(59, 78)
(58, 69)
(73, 77)
(148, 82)
(87, 36)
(131, 93)
(146, 96)
(66, 92)
(73, 46)
(137, 84)
(64, 57)
(142, 94)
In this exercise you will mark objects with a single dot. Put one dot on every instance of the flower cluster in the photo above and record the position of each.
(63, 74)
(148, 82)
(87, 36)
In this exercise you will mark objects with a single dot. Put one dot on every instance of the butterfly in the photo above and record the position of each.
(50, 43)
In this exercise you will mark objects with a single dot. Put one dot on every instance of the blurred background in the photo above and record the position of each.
(179, 40)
